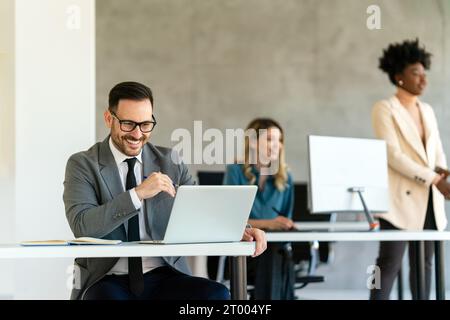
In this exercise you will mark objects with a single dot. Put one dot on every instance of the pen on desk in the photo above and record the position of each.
(174, 184)
(277, 211)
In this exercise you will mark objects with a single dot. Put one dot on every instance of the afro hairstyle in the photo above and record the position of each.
(398, 56)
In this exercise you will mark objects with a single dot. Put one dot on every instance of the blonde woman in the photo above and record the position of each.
(265, 166)
(272, 209)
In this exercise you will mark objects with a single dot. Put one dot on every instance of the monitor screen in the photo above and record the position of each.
(337, 165)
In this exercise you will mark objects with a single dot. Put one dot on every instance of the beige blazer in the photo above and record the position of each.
(411, 165)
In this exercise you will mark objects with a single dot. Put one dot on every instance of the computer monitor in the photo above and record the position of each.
(348, 175)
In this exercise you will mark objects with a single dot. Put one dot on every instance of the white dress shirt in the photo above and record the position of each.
(148, 263)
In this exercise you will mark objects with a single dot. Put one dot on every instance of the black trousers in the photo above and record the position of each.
(163, 283)
(390, 258)
(272, 273)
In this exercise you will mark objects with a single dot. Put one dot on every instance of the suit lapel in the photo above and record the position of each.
(110, 174)
(408, 127)
(109, 170)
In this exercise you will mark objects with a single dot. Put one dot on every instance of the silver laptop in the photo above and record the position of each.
(208, 214)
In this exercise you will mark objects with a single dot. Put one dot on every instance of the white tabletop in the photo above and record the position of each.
(341, 225)
(396, 235)
(128, 250)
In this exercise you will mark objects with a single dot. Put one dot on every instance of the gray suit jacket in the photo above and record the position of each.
(97, 206)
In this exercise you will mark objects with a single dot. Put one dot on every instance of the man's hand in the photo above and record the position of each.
(254, 234)
(154, 184)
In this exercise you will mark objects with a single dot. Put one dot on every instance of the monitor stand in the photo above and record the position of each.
(373, 225)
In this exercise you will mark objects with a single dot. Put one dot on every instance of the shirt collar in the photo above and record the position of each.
(119, 157)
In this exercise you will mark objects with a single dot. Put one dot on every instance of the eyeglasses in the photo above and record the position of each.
(128, 125)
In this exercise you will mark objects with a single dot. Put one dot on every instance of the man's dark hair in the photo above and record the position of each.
(399, 55)
(129, 90)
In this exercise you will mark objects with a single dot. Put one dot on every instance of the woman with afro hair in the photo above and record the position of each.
(417, 179)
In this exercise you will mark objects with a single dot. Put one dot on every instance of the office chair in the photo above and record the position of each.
(303, 214)
(307, 256)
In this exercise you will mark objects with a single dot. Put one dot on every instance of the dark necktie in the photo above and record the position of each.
(135, 274)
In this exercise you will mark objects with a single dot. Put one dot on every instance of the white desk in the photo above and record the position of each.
(331, 235)
(237, 252)
(335, 233)
(350, 225)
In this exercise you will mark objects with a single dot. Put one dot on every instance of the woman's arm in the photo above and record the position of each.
(441, 160)
(278, 223)
(260, 223)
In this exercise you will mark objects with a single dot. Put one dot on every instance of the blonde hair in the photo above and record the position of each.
(281, 177)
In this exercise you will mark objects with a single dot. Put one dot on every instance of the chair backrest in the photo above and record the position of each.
(210, 178)
(301, 207)
(302, 213)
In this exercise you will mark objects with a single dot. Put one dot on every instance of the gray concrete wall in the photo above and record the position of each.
(310, 64)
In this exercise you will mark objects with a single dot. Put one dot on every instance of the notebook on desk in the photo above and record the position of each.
(77, 241)
(208, 214)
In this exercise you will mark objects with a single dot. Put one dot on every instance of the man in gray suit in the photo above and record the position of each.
(123, 188)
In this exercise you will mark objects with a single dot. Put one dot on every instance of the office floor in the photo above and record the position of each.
(329, 294)
(318, 294)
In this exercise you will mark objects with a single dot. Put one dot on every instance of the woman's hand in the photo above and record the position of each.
(442, 172)
(443, 186)
(280, 223)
